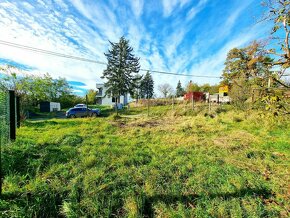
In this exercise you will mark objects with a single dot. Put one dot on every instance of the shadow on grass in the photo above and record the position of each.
(190, 200)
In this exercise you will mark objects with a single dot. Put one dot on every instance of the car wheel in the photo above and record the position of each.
(94, 115)
(73, 116)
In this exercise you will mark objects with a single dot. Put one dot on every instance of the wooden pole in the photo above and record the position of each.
(147, 106)
(192, 102)
(209, 104)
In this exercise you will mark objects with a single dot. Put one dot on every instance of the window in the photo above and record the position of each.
(114, 99)
(100, 91)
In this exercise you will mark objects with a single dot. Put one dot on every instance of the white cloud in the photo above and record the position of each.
(170, 5)
(137, 7)
(231, 20)
(196, 9)
(214, 64)
(82, 28)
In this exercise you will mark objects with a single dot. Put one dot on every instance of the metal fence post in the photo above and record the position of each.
(18, 111)
(12, 114)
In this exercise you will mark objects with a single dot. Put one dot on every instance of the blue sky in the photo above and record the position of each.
(179, 36)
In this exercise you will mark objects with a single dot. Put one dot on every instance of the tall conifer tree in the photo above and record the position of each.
(179, 90)
(147, 86)
(122, 69)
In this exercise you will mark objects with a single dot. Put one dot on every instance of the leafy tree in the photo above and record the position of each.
(91, 95)
(278, 12)
(165, 89)
(122, 69)
(246, 68)
(33, 89)
(214, 89)
(192, 87)
(147, 86)
(70, 100)
(207, 88)
(179, 90)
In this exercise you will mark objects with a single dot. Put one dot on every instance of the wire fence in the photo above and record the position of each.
(4, 125)
(4, 117)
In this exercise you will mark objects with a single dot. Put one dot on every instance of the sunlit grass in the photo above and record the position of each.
(174, 163)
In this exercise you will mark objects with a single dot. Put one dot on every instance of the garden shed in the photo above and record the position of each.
(49, 106)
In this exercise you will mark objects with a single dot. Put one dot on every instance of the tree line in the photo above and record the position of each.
(122, 76)
(33, 89)
(245, 69)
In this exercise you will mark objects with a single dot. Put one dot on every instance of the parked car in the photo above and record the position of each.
(80, 106)
(82, 112)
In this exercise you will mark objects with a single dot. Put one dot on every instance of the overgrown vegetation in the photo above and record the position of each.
(180, 164)
(33, 89)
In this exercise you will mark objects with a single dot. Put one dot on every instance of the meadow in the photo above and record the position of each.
(174, 163)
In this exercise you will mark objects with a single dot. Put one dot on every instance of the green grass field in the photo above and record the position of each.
(172, 164)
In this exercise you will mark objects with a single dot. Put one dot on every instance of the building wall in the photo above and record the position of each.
(49, 106)
(54, 106)
(108, 100)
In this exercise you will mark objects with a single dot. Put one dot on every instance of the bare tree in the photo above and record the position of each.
(165, 89)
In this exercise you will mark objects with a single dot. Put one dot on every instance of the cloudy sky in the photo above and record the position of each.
(179, 36)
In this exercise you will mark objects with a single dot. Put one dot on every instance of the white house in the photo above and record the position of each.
(218, 98)
(102, 99)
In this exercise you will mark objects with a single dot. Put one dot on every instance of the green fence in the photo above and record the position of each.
(4, 117)
(4, 125)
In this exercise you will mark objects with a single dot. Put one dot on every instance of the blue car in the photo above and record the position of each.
(82, 112)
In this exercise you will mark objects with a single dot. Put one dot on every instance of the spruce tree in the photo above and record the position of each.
(179, 89)
(136, 89)
(122, 69)
(147, 86)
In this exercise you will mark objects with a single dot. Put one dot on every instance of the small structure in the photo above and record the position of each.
(196, 96)
(218, 98)
(221, 97)
(103, 99)
(47, 106)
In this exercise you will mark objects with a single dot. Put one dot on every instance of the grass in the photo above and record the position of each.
(175, 163)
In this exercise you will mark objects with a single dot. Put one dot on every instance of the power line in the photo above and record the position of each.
(180, 74)
(47, 52)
